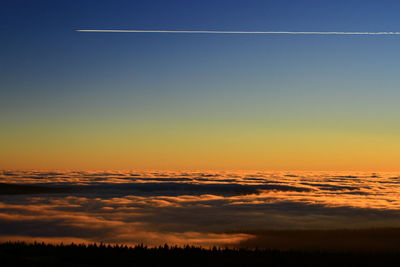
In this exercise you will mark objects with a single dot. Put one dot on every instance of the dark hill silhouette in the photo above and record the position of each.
(40, 254)
(19, 189)
(368, 240)
(144, 189)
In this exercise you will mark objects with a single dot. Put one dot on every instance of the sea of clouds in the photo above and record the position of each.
(200, 208)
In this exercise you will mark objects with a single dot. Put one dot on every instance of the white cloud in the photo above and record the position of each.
(241, 32)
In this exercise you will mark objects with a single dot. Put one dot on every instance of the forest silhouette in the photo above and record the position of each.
(41, 254)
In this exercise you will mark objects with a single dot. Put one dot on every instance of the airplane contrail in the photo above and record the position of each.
(243, 32)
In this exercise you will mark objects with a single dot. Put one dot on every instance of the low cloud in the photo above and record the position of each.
(202, 208)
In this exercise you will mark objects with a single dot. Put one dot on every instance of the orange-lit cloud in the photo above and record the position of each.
(204, 208)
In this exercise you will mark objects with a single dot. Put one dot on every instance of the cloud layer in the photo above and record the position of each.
(203, 208)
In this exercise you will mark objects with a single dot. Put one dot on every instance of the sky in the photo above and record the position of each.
(81, 100)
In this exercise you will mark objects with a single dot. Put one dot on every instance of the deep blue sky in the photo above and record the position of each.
(52, 76)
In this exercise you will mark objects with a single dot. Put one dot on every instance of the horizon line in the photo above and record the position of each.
(239, 32)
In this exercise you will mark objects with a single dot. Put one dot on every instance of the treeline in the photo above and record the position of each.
(41, 254)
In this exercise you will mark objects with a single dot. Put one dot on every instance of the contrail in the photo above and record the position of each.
(243, 32)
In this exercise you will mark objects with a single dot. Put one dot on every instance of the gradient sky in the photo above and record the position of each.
(174, 101)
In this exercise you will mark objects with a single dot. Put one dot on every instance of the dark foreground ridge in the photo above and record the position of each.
(40, 254)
